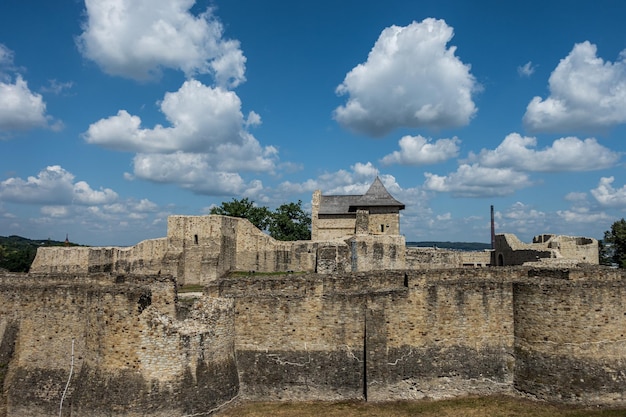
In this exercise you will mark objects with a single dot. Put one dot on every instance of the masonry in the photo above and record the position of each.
(140, 349)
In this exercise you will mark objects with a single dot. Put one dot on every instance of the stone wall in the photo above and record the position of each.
(379, 336)
(200, 249)
(132, 356)
(570, 342)
(554, 333)
(434, 258)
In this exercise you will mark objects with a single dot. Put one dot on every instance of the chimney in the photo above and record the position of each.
(493, 230)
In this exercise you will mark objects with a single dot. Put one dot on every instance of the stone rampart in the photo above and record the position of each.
(553, 333)
(570, 342)
(131, 356)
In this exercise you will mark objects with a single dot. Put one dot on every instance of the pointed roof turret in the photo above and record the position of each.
(377, 195)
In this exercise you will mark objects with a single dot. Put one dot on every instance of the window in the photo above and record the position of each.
(195, 239)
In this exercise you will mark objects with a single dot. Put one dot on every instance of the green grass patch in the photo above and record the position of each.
(496, 406)
(191, 288)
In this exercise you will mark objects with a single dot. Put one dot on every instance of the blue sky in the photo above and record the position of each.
(115, 114)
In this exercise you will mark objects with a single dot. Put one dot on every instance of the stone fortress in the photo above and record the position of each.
(351, 314)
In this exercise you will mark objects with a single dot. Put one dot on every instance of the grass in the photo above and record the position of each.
(497, 406)
(191, 288)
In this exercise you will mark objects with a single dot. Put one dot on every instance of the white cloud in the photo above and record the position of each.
(526, 70)
(191, 171)
(410, 79)
(418, 150)
(53, 186)
(477, 181)
(204, 148)
(201, 118)
(565, 154)
(585, 93)
(138, 38)
(20, 108)
(607, 195)
(578, 215)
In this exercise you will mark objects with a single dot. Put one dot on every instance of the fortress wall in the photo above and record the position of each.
(330, 227)
(131, 357)
(429, 258)
(296, 341)
(581, 248)
(373, 253)
(143, 258)
(570, 338)
(257, 251)
(382, 336)
(449, 334)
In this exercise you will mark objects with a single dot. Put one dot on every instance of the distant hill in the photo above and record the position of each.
(17, 253)
(464, 246)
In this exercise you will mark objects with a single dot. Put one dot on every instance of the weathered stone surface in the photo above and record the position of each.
(557, 334)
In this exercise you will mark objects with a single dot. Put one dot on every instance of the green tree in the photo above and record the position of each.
(258, 216)
(615, 243)
(290, 222)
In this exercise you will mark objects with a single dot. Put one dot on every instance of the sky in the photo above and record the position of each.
(115, 114)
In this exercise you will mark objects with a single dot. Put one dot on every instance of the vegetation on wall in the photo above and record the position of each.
(287, 222)
(17, 253)
(613, 247)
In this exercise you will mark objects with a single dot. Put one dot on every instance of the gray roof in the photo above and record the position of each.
(376, 196)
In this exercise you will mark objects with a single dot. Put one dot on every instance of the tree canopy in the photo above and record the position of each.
(258, 216)
(287, 222)
(614, 244)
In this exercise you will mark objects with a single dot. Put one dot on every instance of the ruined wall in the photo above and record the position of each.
(556, 333)
(570, 329)
(378, 336)
(132, 357)
(509, 250)
(374, 253)
(144, 258)
(330, 227)
(582, 248)
(429, 258)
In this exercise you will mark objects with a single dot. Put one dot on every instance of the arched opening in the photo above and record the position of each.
(500, 260)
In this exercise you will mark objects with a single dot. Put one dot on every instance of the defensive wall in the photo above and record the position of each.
(199, 249)
(556, 334)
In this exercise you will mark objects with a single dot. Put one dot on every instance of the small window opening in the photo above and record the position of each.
(382, 227)
(195, 239)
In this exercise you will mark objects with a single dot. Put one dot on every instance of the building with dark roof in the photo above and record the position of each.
(340, 216)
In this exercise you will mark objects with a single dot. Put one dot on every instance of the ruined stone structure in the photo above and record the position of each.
(340, 216)
(141, 349)
(546, 249)
(355, 315)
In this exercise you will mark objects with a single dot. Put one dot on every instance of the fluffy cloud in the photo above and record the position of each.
(410, 79)
(138, 38)
(607, 195)
(20, 108)
(477, 181)
(418, 150)
(201, 118)
(585, 93)
(204, 148)
(53, 186)
(196, 172)
(565, 154)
